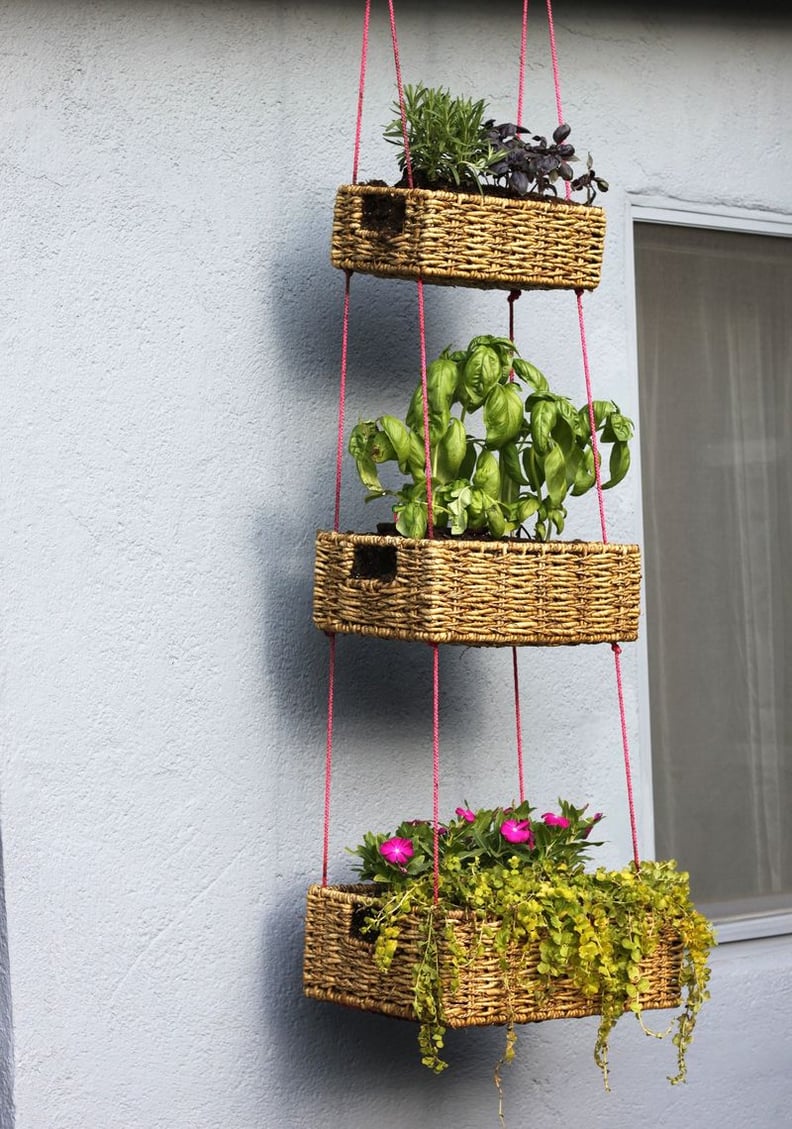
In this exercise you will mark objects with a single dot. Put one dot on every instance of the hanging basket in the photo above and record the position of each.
(339, 967)
(477, 593)
(462, 239)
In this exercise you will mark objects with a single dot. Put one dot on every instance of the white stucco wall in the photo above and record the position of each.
(169, 328)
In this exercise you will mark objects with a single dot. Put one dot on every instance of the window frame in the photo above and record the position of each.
(750, 924)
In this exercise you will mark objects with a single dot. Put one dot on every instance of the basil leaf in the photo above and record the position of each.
(416, 459)
(359, 437)
(503, 414)
(457, 508)
(555, 475)
(487, 475)
(585, 476)
(481, 372)
(510, 464)
(496, 521)
(526, 508)
(380, 448)
(441, 382)
(451, 451)
(412, 520)
(543, 420)
(476, 509)
(367, 471)
(564, 436)
(619, 464)
(439, 416)
(530, 373)
(399, 436)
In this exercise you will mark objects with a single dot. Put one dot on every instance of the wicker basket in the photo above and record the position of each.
(339, 967)
(477, 593)
(460, 239)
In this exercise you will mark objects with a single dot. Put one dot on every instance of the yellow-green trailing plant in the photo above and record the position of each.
(528, 874)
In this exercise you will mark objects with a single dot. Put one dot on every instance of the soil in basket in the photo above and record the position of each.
(472, 190)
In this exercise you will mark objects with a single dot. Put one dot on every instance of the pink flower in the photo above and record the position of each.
(466, 814)
(397, 851)
(555, 820)
(517, 831)
(595, 819)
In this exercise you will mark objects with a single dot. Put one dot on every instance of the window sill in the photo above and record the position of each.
(749, 927)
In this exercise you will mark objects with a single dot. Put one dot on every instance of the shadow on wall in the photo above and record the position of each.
(302, 401)
(383, 688)
(343, 1055)
(6, 1026)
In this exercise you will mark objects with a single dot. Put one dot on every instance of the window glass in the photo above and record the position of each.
(714, 319)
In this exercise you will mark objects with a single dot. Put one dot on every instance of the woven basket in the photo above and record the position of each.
(477, 593)
(339, 966)
(460, 239)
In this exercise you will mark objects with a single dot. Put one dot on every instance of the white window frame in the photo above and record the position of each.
(651, 209)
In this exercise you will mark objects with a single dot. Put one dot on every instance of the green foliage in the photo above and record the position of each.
(488, 838)
(595, 928)
(534, 454)
(452, 147)
(446, 135)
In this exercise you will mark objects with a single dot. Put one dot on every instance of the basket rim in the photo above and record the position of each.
(495, 546)
(357, 892)
(443, 194)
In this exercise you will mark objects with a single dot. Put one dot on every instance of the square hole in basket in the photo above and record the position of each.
(358, 926)
(374, 562)
(384, 213)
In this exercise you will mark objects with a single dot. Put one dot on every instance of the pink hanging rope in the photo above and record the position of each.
(592, 419)
(361, 89)
(342, 402)
(554, 60)
(556, 79)
(328, 771)
(597, 475)
(328, 759)
(336, 526)
(518, 725)
(428, 472)
(512, 298)
(425, 403)
(523, 45)
(626, 749)
(604, 530)
(400, 88)
(436, 769)
(421, 308)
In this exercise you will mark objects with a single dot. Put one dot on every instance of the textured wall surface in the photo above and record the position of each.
(170, 332)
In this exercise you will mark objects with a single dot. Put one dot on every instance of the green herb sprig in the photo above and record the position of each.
(452, 146)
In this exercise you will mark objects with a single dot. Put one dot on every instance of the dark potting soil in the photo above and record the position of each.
(472, 190)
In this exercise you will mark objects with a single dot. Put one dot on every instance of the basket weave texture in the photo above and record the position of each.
(339, 967)
(461, 239)
(477, 593)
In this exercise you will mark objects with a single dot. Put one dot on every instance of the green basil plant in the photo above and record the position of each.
(534, 453)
